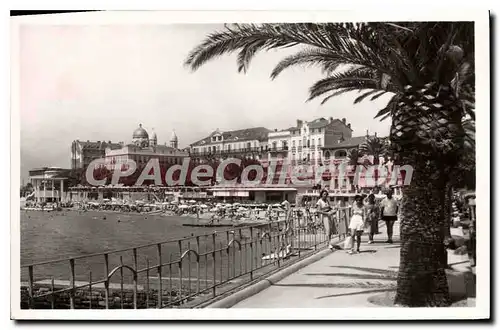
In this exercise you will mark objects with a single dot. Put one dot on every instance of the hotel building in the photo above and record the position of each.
(250, 143)
(143, 148)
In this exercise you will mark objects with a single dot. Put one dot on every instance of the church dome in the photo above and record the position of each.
(140, 133)
(174, 137)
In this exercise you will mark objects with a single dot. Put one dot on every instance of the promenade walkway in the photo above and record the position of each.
(337, 280)
(344, 280)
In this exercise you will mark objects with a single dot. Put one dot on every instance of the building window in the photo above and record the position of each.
(308, 143)
(327, 155)
(274, 145)
(293, 144)
(340, 154)
(319, 142)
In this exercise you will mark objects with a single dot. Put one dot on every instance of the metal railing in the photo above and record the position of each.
(187, 272)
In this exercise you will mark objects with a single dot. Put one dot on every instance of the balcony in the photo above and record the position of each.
(227, 152)
(275, 150)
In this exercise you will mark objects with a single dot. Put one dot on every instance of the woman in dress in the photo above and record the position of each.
(325, 211)
(372, 217)
(358, 221)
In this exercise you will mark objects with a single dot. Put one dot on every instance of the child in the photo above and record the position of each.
(357, 224)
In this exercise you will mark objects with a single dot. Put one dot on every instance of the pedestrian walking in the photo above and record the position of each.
(357, 223)
(372, 217)
(389, 213)
(326, 213)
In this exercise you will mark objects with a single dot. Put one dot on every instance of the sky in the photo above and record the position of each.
(98, 82)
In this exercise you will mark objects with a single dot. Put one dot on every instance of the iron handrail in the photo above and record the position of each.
(235, 256)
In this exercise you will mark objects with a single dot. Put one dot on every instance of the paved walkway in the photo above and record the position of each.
(337, 280)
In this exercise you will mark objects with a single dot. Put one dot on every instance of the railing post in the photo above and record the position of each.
(279, 244)
(337, 222)
(160, 284)
(239, 248)
(180, 271)
(90, 289)
(198, 264)
(106, 282)
(30, 287)
(214, 265)
(121, 282)
(189, 269)
(134, 251)
(170, 277)
(315, 233)
(52, 296)
(227, 252)
(251, 253)
(147, 283)
(72, 283)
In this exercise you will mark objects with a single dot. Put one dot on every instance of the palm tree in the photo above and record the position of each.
(376, 147)
(428, 69)
(353, 156)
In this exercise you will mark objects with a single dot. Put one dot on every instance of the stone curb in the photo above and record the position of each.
(253, 289)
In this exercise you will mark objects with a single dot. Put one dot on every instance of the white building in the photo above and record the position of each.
(308, 138)
(143, 148)
(49, 184)
(278, 143)
(243, 143)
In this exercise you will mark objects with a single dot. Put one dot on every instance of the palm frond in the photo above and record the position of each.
(337, 93)
(262, 37)
(364, 96)
(375, 147)
(322, 58)
(376, 96)
(359, 78)
(381, 56)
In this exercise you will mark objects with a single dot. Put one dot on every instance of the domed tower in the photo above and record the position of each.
(140, 137)
(174, 141)
(153, 141)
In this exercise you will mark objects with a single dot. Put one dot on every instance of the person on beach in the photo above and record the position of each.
(372, 217)
(389, 213)
(270, 213)
(326, 212)
(357, 223)
(287, 206)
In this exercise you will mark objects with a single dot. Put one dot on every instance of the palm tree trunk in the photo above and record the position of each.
(422, 279)
(448, 209)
